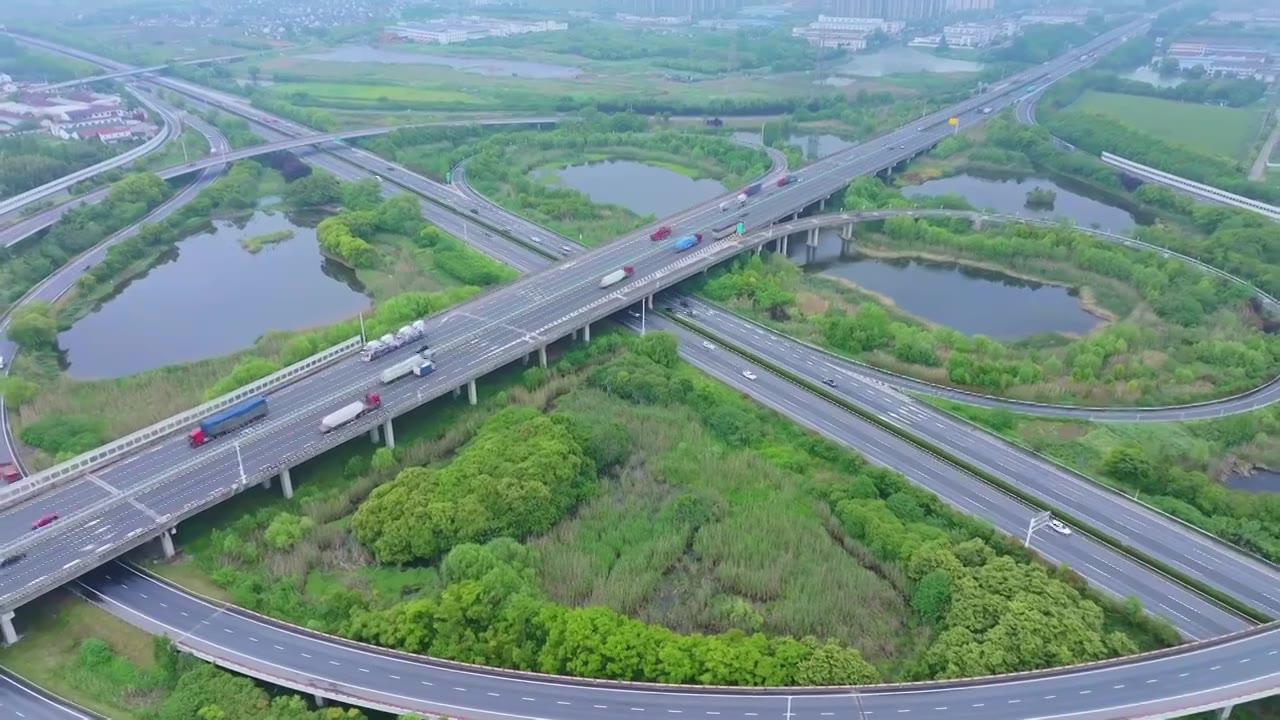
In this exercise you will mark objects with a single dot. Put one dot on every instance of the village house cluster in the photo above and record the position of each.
(75, 114)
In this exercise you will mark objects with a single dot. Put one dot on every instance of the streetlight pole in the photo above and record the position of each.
(1035, 523)
(240, 462)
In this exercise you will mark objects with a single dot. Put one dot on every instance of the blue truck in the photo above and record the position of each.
(229, 420)
(687, 242)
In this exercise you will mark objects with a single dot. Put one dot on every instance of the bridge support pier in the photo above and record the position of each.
(266, 483)
(650, 301)
(812, 239)
(586, 333)
(321, 701)
(471, 391)
(822, 205)
(389, 433)
(166, 543)
(286, 483)
(1223, 713)
(373, 435)
(6, 625)
(457, 392)
(782, 244)
(542, 356)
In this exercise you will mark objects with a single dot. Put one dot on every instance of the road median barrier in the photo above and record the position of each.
(1228, 602)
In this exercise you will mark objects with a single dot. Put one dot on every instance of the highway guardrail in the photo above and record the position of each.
(1226, 601)
(87, 462)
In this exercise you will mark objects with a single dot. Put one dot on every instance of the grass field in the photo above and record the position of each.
(190, 145)
(52, 631)
(1222, 131)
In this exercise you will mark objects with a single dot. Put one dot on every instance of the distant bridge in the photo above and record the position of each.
(135, 71)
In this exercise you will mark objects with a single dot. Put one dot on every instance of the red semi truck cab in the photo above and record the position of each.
(660, 233)
(196, 437)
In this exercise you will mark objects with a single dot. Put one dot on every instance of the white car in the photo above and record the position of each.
(1059, 527)
(2, 360)
(705, 344)
(748, 375)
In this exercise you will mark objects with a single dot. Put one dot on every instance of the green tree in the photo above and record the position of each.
(34, 326)
(314, 190)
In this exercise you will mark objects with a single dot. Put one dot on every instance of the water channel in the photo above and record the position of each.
(493, 67)
(971, 300)
(1258, 481)
(208, 296)
(1009, 195)
(641, 188)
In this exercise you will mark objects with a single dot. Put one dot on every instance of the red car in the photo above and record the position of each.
(44, 520)
(660, 233)
(9, 473)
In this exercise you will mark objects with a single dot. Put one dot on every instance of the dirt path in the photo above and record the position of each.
(1259, 169)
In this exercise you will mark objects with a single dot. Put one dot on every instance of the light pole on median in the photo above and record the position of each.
(240, 462)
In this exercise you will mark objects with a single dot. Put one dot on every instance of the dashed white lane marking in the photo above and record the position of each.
(144, 596)
(979, 704)
(304, 655)
(1153, 680)
(164, 604)
(1216, 667)
(1014, 702)
(675, 711)
(1183, 674)
(1085, 692)
(1244, 661)
(1117, 687)
(493, 694)
(602, 707)
(527, 699)
(184, 613)
(562, 702)
(334, 662)
(362, 670)
(253, 639)
(941, 708)
(424, 682)
(638, 709)
(229, 631)
(277, 647)
(394, 677)
(1050, 697)
(460, 689)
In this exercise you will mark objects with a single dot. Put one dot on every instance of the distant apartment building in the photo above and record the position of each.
(975, 35)
(847, 33)
(887, 9)
(958, 6)
(460, 30)
(1221, 57)
(654, 20)
(674, 8)
(1074, 16)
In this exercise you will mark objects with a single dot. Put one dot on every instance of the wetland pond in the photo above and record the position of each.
(639, 187)
(492, 67)
(209, 296)
(1009, 195)
(971, 300)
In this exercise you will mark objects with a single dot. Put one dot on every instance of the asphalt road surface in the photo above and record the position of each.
(1133, 688)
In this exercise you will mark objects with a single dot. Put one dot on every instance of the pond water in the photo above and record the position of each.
(208, 296)
(814, 146)
(1259, 481)
(1148, 75)
(498, 67)
(1009, 195)
(899, 59)
(641, 188)
(971, 300)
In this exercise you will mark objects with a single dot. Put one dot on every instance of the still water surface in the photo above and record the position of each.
(1009, 195)
(971, 300)
(640, 188)
(208, 296)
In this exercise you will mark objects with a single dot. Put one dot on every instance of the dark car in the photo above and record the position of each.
(12, 559)
(684, 303)
(828, 382)
(475, 211)
(423, 349)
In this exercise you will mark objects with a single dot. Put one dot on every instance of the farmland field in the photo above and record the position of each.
(1233, 129)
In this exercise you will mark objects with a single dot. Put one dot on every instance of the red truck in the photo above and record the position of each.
(10, 473)
(660, 233)
(787, 180)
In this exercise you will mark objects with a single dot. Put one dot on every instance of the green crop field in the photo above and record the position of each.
(386, 93)
(1208, 129)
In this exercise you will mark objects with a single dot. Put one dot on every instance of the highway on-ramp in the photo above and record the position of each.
(1154, 686)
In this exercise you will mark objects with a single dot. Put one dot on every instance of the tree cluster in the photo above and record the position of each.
(35, 65)
(520, 474)
(995, 612)
(491, 612)
(33, 160)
